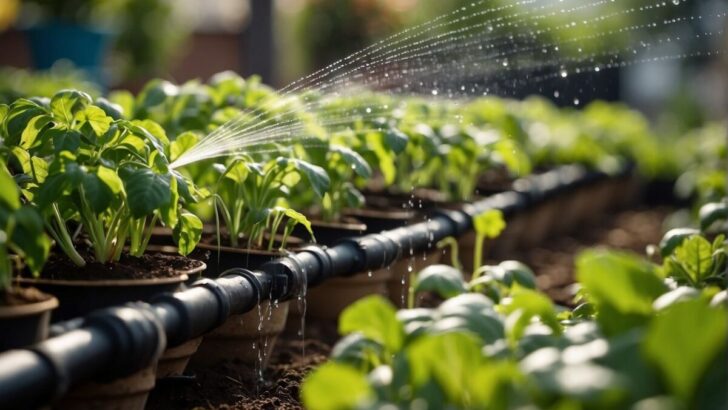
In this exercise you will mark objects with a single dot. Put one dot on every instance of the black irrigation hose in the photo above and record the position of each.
(119, 341)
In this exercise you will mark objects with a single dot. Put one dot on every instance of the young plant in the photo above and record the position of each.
(84, 166)
(690, 258)
(251, 197)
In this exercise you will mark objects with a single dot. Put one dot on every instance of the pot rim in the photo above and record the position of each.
(105, 282)
(262, 252)
(28, 309)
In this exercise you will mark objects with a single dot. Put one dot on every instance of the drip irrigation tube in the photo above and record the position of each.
(119, 341)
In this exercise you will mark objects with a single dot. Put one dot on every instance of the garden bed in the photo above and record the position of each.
(229, 386)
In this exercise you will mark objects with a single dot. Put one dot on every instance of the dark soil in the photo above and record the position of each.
(16, 296)
(148, 266)
(231, 385)
(553, 262)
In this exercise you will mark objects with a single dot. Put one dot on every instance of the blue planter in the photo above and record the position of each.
(83, 46)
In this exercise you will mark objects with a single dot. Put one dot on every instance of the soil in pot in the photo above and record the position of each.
(248, 338)
(97, 285)
(24, 316)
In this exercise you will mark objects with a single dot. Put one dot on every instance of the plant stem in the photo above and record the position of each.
(478, 254)
(61, 235)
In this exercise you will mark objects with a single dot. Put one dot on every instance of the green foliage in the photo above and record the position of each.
(79, 165)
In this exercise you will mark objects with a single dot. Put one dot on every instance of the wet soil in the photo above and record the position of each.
(553, 261)
(230, 386)
(148, 266)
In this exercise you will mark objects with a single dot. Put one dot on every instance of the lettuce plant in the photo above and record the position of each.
(83, 165)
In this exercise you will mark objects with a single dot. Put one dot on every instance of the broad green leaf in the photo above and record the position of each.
(396, 140)
(96, 193)
(526, 304)
(146, 190)
(354, 197)
(123, 99)
(695, 254)
(299, 218)
(113, 110)
(682, 342)
(489, 223)
(170, 210)
(317, 176)
(622, 287)
(31, 131)
(65, 140)
(155, 93)
(673, 238)
(375, 318)
(96, 118)
(335, 386)
(449, 359)
(182, 144)
(353, 159)
(30, 238)
(187, 232)
(20, 113)
(444, 280)
(358, 351)
(66, 103)
(520, 273)
(711, 213)
(109, 177)
(9, 193)
(154, 129)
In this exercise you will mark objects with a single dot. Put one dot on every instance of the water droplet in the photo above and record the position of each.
(434, 92)
(564, 73)
(576, 101)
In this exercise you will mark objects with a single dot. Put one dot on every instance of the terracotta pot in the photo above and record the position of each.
(174, 360)
(399, 280)
(128, 393)
(24, 325)
(329, 299)
(248, 338)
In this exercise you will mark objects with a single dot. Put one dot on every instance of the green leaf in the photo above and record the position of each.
(146, 190)
(444, 280)
(109, 177)
(673, 238)
(489, 223)
(519, 273)
(682, 342)
(123, 99)
(30, 238)
(375, 318)
(31, 131)
(182, 144)
(317, 176)
(353, 159)
(450, 360)
(96, 118)
(396, 140)
(335, 386)
(358, 351)
(9, 193)
(513, 156)
(155, 93)
(169, 211)
(20, 113)
(96, 192)
(711, 213)
(187, 232)
(113, 110)
(622, 287)
(524, 306)
(299, 218)
(66, 103)
(695, 254)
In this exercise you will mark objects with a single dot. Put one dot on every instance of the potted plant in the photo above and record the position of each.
(24, 312)
(251, 202)
(101, 183)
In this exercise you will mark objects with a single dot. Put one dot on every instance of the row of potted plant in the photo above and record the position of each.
(95, 176)
(642, 332)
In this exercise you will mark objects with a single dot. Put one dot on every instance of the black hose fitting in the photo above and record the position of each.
(138, 337)
(286, 277)
(315, 264)
(254, 284)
